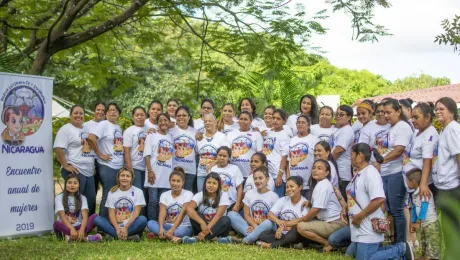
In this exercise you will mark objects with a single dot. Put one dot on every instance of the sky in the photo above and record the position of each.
(409, 51)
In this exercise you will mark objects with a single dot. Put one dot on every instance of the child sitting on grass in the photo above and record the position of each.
(424, 217)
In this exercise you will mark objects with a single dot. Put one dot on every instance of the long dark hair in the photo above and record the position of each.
(348, 111)
(75, 106)
(367, 151)
(190, 119)
(262, 157)
(253, 106)
(228, 150)
(314, 182)
(426, 110)
(327, 148)
(216, 202)
(65, 196)
(314, 108)
(397, 107)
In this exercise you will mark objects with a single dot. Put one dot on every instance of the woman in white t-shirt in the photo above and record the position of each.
(207, 107)
(365, 198)
(155, 108)
(207, 147)
(71, 208)
(374, 131)
(323, 151)
(283, 218)
(244, 143)
(207, 212)
(171, 107)
(258, 159)
(257, 204)
(227, 122)
(125, 203)
(74, 153)
(309, 107)
(392, 149)
(158, 156)
(301, 150)
(341, 145)
(324, 205)
(447, 165)
(365, 113)
(248, 105)
(133, 145)
(107, 142)
(173, 222)
(231, 177)
(184, 138)
(325, 129)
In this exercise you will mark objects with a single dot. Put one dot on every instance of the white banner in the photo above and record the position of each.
(26, 158)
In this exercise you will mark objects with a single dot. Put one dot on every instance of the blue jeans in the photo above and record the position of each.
(86, 188)
(154, 202)
(340, 238)
(395, 191)
(109, 179)
(281, 190)
(105, 226)
(139, 179)
(372, 251)
(200, 183)
(181, 231)
(190, 182)
(240, 225)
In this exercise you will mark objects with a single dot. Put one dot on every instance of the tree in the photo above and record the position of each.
(452, 33)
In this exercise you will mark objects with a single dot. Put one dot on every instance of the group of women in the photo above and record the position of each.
(276, 181)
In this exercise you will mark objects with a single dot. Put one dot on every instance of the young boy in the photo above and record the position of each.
(424, 217)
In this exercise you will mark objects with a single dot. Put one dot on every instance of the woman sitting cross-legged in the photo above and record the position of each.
(209, 221)
(283, 216)
(124, 203)
(257, 204)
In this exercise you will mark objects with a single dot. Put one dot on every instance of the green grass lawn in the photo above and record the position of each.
(47, 247)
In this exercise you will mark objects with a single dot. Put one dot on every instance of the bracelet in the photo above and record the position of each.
(280, 170)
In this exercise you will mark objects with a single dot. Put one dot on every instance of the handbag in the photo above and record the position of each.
(379, 225)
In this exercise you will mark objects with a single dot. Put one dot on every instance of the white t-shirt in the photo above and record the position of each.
(276, 145)
(365, 187)
(445, 171)
(160, 148)
(198, 124)
(292, 122)
(184, 145)
(207, 150)
(74, 218)
(357, 126)
(91, 127)
(230, 128)
(244, 145)
(372, 134)
(123, 202)
(344, 137)
(208, 212)
(334, 176)
(149, 125)
(174, 206)
(110, 141)
(231, 178)
(259, 204)
(431, 215)
(301, 157)
(134, 138)
(323, 134)
(421, 147)
(257, 122)
(285, 210)
(76, 148)
(400, 134)
(249, 184)
(324, 198)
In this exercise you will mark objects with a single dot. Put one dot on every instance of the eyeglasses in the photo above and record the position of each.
(340, 114)
(206, 108)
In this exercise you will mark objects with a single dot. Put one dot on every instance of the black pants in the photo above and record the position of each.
(343, 189)
(220, 229)
(290, 238)
(97, 180)
(446, 201)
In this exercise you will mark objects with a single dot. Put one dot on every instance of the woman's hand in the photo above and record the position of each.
(306, 204)
(151, 177)
(73, 234)
(152, 131)
(170, 233)
(105, 157)
(250, 229)
(236, 207)
(81, 234)
(279, 233)
(205, 229)
(199, 136)
(161, 233)
(279, 181)
(264, 133)
(344, 215)
(201, 236)
(425, 192)
(70, 168)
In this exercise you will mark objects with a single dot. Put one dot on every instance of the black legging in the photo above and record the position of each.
(290, 238)
(220, 229)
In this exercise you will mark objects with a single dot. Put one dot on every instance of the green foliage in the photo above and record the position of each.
(451, 33)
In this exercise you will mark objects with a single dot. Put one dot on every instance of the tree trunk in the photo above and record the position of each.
(42, 57)
(3, 36)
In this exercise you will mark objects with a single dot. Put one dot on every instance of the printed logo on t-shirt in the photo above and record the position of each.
(288, 215)
(249, 186)
(298, 153)
(85, 148)
(208, 155)
(259, 211)
(184, 146)
(435, 152)
(269, 145)
(165, 151)
(172, 212)
(124, 207)
(141, 142)
(226, 181)
(117, 142)
(72, 216)
(240, 146)
(406, 154)
(327, 138)
(357, 135)
(381, 141)
(208, 213)
(351, 194)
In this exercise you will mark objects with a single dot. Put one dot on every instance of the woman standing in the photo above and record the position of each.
(171, 107)
(183, 135)
(342, 142)
(244, 143)
(207, 148)
(325, 129)
(74, 153)
(301, 149)
(107, 142)
(227, 122)
(309, 107)
(133, 145)
(207, 107)
(365, 112)
(374, 131)
(155, 108)
(248, 105)
(392, 149)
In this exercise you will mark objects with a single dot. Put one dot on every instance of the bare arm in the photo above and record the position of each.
(248, 218)
(179, 218)
(374, 205)
(60, 156)
(394, 154)
(338, 150)
(92, 140)
(239, 198)
(313, 212)
(127, 155)
(426, 170)
(192, 213)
